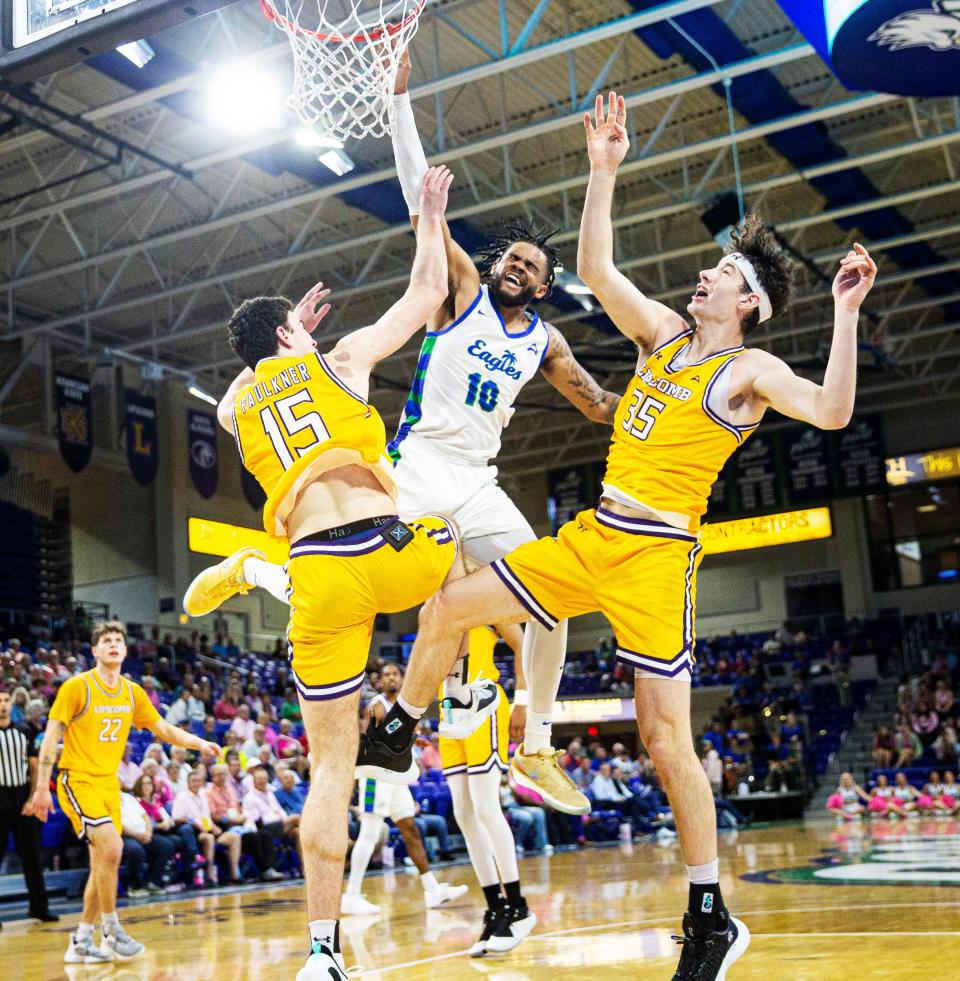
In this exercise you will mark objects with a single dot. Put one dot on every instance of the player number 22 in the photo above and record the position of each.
(110, 730)
(280, 424)
(640, 417)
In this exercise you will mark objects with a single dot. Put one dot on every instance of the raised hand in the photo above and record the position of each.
(434, 193)
(309, 310)
(855, 278)
(403, 72)
(607, 140)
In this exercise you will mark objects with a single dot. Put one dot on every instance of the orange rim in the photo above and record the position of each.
(389, 30)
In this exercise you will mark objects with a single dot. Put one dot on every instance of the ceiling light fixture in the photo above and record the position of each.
(139, 52)
(200, 393)
(337, 161)
(240, 98)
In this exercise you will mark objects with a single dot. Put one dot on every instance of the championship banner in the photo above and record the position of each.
(252, 490)
(905, 47)
(74, 421)
(140, 421)
(202, 441)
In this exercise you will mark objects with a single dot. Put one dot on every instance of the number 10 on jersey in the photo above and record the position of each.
(482, 393)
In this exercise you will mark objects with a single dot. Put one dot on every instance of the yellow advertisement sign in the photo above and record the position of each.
(218, 538)
(583, 710)
(785, 528)
(915, 468)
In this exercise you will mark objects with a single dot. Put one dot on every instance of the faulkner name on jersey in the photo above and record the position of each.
(296, 374)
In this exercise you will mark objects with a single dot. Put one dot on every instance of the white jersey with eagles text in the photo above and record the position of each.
(467, 379)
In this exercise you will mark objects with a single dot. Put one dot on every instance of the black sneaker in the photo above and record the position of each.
(378, 761)
(513, 927)
(706, 955)
(491, 920)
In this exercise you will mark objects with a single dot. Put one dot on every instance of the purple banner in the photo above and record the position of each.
(74, 421)
(202, 443)
(140, 412)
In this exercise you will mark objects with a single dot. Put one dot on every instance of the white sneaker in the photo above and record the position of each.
(323, 965)
(353, 904)
(122, 944)
(548, 850)
(458, 720)
(443, 894)
(86, 952)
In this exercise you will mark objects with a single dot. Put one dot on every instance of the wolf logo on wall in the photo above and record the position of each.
(937, 28)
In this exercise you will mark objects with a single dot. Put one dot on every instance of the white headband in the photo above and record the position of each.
(753, 281)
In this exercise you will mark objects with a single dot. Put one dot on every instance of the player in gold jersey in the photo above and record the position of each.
(305, 430)
(696, 395)
(94, 713)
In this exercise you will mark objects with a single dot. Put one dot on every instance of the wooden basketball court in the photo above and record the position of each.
(823, 903)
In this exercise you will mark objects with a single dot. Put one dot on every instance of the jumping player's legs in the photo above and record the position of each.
(484, 791)
(479, 845)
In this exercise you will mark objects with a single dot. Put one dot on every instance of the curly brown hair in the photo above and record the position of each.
(775, 269)
(252, 330)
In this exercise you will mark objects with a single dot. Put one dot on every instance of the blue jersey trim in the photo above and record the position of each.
(503, 326)
(463, 316)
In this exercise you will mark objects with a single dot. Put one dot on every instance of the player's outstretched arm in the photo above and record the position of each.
(463, 278)
(427, 290)
(644, 321)
(180, 737)
(575, 383)
(830, 405)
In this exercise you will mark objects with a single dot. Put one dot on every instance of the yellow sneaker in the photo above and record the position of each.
(216, 584)
(541, 773)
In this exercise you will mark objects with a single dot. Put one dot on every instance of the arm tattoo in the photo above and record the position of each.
(574, 382)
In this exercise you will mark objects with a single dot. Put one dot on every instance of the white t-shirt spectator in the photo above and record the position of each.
(178, 712)
(180, 785)
(604, 788)
(132, 816)
(196, 710)
(263, 806)
(243, 727)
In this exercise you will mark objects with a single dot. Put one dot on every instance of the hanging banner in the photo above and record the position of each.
(861, 456)
(202, 442)
(758, 484)
(806, 453)
(140, 421)
(74, 421)
(905, 47)
(252, 491)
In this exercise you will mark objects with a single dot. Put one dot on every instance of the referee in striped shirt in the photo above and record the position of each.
(18, 773)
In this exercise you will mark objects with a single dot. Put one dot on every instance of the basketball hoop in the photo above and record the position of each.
(345, 59)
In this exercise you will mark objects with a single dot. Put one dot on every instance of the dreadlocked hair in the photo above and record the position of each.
(510, 234)
(775, 269)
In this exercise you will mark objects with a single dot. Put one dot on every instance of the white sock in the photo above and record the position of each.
(363, 849)
(266, 575)
(455, 684)
(544, 652)
(704, 875)
(109, 922)
(85, 930)
(411, 710)
(537, 734)
(429, 882)
(324, 932)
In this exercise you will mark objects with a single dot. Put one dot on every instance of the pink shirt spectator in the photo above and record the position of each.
(154, 809)
(223, 799)
(127, 774)
(225, 711)
(191, 808)
(244, 727)
(263, 806)
(287, 744)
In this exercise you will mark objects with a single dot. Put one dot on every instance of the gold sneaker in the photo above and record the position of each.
(216, 584)
(541, 773)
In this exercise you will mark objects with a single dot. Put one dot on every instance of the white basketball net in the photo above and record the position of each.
(345, 57)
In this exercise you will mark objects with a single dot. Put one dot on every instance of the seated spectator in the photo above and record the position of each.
(792, 727)
(176, 778)
(622, 762)
(141, 847)
(226, 707)
(129, 771)
(607, 788)
(150, 687)
(196, 710)
(155, 752)
(227, 811)
(161, 823)
(199, 832)
(946, 747)
(290, 750)
(433, 826)
(290, 709)
(883, 748)
(848, 801)
(242, 725)
(943, 698)
(251, 748)
(178, 711)
(571, 758)
(712, 766)
(907, 746)
(583, 775)
(714, 736)
(428, 748)
(925, 722)
(262, 807)
(529, 824)
(239, 779)
(951, 793)
(158, 777)
(290, 794)
(930, 799)
(18, 706)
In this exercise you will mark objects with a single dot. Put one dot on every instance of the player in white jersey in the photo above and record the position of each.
(378, 801)
(482, 346)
